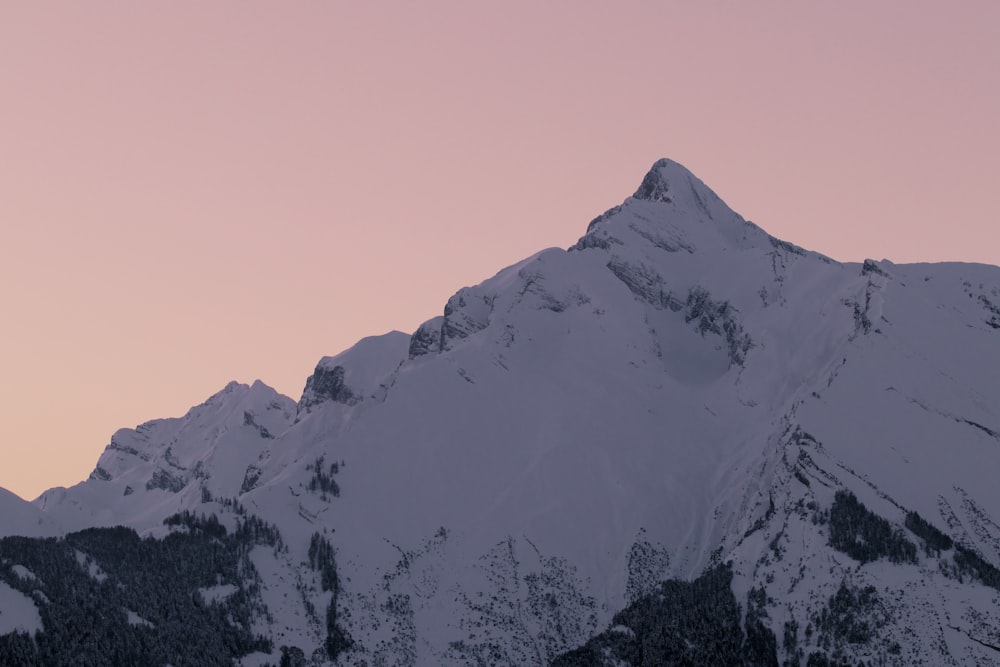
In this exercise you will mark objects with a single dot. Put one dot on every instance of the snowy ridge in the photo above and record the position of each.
(678, 389)
(166, 465)
(358, 373)
(23, 518)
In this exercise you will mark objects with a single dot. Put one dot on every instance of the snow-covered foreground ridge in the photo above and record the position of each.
(676, 391)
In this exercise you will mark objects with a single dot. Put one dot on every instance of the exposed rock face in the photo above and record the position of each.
(655, 185)
(427, 338)
(719, 318)
(166, 480)
(645, 283)
(465, 313)
(326, 384)
(250, 420)
(360, 373)
(250, 478)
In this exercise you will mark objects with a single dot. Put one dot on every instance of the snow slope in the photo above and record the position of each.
(18, 612)
(676, 389)
(19, 517)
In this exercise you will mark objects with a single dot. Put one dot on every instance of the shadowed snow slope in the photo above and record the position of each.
(678, 388)
(18, 517)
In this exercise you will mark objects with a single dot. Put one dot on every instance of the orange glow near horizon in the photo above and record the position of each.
(192, 193)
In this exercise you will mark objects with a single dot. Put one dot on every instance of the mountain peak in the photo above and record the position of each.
(670, 182)
(659, 181)
(673, 202)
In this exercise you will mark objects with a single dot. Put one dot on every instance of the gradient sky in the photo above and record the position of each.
(196, 192)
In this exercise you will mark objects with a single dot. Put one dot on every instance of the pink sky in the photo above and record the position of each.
(193, 192)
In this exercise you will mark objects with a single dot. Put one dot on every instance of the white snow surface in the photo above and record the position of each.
(647, 388)
(19, 517)
(136, 619)
(217, 593)
(18, 612)
(90, 566)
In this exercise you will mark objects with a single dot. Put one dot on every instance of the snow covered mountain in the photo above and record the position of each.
(676, 393)
(211, 451)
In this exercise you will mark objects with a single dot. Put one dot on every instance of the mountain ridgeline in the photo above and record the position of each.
(679, 441)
